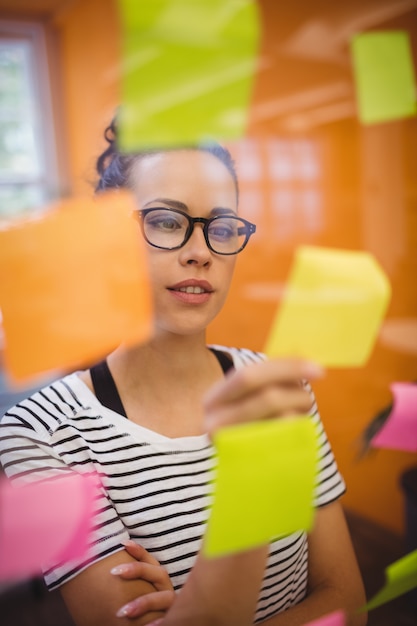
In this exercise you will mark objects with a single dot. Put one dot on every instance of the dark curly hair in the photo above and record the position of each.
(114, 167)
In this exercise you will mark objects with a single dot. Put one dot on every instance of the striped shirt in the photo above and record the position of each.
(153, 489)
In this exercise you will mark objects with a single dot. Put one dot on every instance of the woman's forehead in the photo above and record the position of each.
(192, 170)
(162, 164)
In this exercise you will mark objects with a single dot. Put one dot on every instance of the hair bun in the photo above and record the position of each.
(110, 133)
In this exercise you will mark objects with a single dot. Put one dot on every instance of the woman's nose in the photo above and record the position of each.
(196, 250)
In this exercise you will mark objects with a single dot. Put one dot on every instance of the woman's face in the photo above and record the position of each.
(189, 284)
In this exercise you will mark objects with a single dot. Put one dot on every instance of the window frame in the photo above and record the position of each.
(34, 34)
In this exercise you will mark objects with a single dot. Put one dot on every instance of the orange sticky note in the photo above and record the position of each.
(73, 285)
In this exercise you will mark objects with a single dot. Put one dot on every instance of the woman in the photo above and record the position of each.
(142, 420)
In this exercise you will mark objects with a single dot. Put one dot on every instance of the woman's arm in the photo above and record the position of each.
(203, 599)
(145, 567)
(334, 580)
(95, 595)
(223, 592)
(334, 583)
(220, 592)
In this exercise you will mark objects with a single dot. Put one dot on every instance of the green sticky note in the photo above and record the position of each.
(264, 484)
(188, 70)
(384, 76)
(401, 577)
(332, 307)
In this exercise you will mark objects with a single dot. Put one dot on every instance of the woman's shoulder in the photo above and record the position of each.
(240, 356)
(47, 407)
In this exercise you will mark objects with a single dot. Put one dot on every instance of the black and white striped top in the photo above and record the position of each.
(154, 489)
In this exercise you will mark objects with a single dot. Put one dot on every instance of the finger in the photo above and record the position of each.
(154, 574)
(253, 377)
(159, 601)
(139, 552)
(269, 403)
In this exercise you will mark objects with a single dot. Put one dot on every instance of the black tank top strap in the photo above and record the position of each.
(105, 387)
(224, 360)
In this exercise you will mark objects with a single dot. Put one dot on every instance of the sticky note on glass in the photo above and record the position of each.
(332, 307)
(264, 483)
(43, 523)
(384, 76)
(399, 431)
(332, 619)
(401, 577)
(188, 70)
(73, 285)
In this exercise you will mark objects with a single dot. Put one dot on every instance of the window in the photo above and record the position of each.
(281, 187)
(28, 171)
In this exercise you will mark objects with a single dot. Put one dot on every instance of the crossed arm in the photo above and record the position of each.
(220, 592)
(334, 582)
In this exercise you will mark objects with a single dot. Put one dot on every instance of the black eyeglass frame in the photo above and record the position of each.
(249, 228)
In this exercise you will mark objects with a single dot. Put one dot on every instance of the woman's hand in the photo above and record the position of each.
(147, 568)
(261, 391)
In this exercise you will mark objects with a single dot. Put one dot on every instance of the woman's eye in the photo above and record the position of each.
(167, 224)
(222, 232)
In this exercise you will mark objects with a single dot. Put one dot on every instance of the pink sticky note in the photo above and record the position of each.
(400, 430)
(42, 523)
(332, 619)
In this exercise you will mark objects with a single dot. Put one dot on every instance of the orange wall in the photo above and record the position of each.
(89, 42)
(340, 185)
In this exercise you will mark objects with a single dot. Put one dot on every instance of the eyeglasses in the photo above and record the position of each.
(170, 229)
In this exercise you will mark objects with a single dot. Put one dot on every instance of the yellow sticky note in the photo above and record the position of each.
(188, 70)
(73, 285)
(401, 577)
(332, 307)
(384, 76)
(264, 484)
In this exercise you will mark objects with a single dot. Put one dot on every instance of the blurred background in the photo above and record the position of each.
(309, 172)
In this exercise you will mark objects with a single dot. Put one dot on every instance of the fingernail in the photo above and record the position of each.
(120, 569)
(124, 611)
(128, 542)
(313, 370)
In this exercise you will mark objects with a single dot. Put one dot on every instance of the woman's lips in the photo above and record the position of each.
(192, 291)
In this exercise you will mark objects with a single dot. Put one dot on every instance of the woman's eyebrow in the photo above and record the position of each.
(222, 211)
(181, 206)
(175, 204)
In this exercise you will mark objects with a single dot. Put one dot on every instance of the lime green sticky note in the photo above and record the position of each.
(188, 70)
(384, 76)
(264, 484)
(332, 307)
(401, 577)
